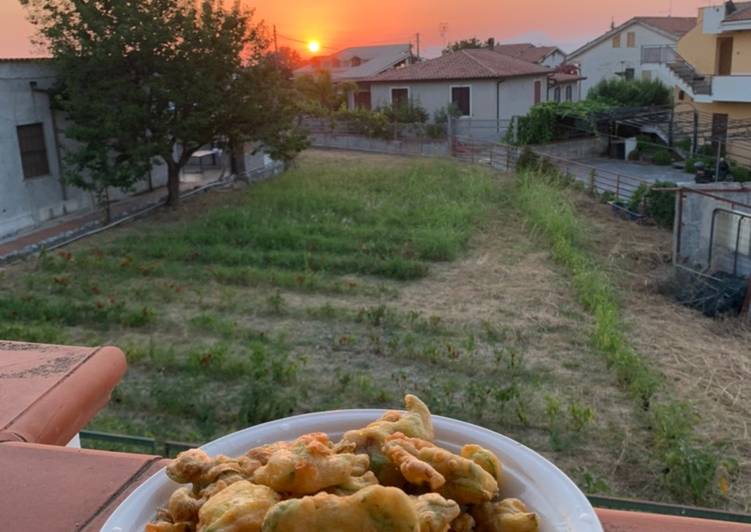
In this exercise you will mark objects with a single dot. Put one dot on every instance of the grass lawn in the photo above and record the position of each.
(344, 283)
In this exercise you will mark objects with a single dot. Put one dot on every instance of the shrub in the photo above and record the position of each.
(740, 173)
(661, 205)
(631, 93)
(408, 113)
(662, 158)
(637, 198)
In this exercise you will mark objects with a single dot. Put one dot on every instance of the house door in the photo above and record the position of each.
(724, 56)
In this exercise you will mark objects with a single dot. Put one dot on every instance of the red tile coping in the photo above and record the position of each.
(48, 393)
(47, 487)
(57, 488)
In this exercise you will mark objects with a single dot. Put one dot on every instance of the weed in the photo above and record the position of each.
(276, 303)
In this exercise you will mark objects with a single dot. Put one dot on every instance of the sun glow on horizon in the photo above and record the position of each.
(314, 47)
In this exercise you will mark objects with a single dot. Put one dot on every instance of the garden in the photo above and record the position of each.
(352, 279)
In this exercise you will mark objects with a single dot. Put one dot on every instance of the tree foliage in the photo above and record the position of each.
(631, 93)
(467, 44)
(158, 79)
(321, 94)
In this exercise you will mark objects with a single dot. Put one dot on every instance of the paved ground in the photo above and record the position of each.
(646, 172)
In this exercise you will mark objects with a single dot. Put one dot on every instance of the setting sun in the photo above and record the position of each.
(314, 46)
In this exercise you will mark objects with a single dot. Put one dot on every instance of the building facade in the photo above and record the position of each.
(618, 52)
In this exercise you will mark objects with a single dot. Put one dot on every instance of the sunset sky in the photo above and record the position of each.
(339, 23)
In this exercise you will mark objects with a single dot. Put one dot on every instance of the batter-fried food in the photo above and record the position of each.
(451, 475)
(374, 509)
(415, 422)
(355, 484)
(240, 507)
(386, 477)
(463, 523)
(485, 459)
(508, 515)
(434, 513)
(306, 465)
(196, 467)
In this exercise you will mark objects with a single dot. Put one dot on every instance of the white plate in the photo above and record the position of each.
(527, 475)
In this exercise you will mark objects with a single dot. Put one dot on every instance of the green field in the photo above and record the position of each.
(347, 282)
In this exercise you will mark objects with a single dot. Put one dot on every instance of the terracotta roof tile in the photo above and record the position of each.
(525, 51)
(464, 64)
(743, 12)
(675, 25)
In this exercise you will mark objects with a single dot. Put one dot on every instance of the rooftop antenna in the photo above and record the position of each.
(670, 8)
(443, 29)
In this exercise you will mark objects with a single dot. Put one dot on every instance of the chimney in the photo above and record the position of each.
(491, 43)
(730, 8)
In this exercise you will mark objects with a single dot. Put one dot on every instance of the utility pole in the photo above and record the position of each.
(418, 45)
(276, 43)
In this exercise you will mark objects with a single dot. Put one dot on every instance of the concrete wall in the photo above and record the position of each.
(602, 61)
(575, 149)
(516, 95)
(28, 202)
(696, 231)
(699, 48)
(398, 147)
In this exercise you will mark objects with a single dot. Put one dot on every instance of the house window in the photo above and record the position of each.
(629, 73)
(362, 100)
(33, 150)
(538, 92)
(400, 97)
(646, 75)
(631, 39)
(460, 97)
(617, 41)
(557, 95)
(569, 93)
(681, 95)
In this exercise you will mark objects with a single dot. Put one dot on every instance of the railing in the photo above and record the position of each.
(667, 55)
(661, 54)
(125, 443)
(506, 157)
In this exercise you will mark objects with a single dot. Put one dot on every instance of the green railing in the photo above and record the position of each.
(124, 443)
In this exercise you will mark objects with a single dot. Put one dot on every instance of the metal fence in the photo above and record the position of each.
(505, 157)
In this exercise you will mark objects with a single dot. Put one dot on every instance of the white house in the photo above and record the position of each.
(618, 51)
(31, 186)
(564, 85)
(483, 84)
(358, 64)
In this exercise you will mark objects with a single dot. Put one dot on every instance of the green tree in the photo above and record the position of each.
(631, 93)
(464, 44)
(321, 93)
(157, 79)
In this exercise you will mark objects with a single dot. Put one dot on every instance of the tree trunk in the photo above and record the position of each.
(173, 185)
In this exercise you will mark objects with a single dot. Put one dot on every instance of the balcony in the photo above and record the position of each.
(702, 88)
(731, 89)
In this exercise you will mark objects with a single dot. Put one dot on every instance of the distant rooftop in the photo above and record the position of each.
(359, 62)
(465, 64)
(526, 51)
(671, 27)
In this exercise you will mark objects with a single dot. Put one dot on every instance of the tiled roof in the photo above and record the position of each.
(24, 59)
(673, 27)
(562, 77)
(464, 64)
(375, 59)
(525, 51)
(743, 12)
(676, 25)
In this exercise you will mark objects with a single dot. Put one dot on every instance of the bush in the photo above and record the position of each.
(661, 205)
(408, 113)
(740, 173)
(631, 93)
(544, 122)
(662, 158)
(637, 198)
